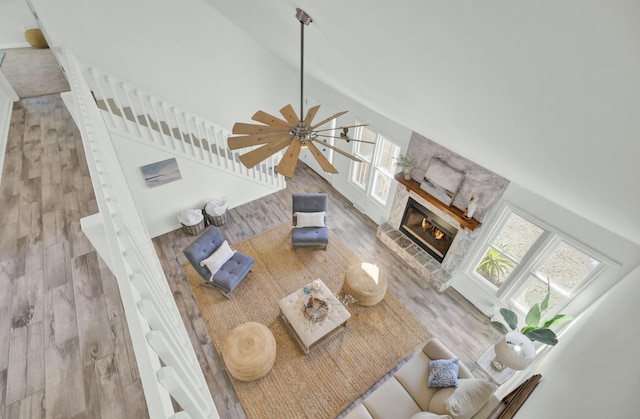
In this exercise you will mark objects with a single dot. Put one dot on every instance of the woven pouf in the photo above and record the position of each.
(249, 351)
(35, 38)
(363, 282)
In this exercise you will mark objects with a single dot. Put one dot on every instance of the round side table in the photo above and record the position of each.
(249, 351)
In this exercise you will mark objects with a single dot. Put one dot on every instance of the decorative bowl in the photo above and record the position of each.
(315, 309)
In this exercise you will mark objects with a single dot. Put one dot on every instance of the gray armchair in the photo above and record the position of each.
(309, 221)
(230, 274)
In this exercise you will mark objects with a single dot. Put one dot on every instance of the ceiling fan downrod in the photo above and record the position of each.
(304, 19)
(294, 132)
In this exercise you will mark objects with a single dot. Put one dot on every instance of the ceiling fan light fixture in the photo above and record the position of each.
(291, 134)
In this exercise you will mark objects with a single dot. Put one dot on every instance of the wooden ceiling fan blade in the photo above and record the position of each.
(242, 128)
(329, 119)
(287, 165)
(235, 143)
(254, 157)
(311, 113)
(270, 120)
(344, 153)
(322, 160)
(290, 115)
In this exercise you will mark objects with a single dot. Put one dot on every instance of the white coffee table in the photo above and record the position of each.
(307, 333)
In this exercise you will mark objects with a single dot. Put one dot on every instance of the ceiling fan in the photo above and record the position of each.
(292, 132)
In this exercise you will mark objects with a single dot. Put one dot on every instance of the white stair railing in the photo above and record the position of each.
(143, 117)
(166, 360)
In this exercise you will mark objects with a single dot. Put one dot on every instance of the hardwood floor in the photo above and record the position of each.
(64, 345)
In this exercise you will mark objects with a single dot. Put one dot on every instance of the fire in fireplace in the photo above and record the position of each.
(427, 230)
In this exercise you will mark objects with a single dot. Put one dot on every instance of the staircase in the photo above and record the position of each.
(142, 117)
(170, 371)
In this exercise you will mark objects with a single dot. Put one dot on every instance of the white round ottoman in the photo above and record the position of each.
(249, 351)
(364, 283)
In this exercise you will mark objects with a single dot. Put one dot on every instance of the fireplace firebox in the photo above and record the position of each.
(427, 230)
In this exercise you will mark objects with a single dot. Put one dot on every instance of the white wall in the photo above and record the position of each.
(15, 18)
(543, 93)
(160, 205)
(224, 75)
(594, 371)
(182, 51)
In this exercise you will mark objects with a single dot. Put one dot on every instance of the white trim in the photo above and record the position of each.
(146, 295)
(15, 45)
(8, 96)
(367, 189)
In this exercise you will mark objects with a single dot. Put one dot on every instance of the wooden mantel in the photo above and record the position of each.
(456, 213)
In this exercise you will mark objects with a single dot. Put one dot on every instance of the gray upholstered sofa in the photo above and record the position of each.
(405, 395)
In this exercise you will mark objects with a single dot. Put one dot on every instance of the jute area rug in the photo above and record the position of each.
(335, 373)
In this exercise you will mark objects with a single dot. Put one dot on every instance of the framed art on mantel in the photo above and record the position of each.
(441, 180)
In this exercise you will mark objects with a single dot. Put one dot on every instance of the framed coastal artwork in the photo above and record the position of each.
(161, 173)
(441, 180)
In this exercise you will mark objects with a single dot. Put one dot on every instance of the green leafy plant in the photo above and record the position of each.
(534, 329)
(495, 265)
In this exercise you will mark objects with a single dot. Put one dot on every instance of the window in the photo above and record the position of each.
(374, 174)
(361, 170)
(523, 258)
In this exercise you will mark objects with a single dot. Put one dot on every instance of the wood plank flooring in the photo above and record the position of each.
(65, 350)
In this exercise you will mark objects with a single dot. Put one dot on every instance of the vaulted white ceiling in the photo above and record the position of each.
(545, 93)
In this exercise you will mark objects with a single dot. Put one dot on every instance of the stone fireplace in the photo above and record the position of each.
(427, 230)
(430, 236)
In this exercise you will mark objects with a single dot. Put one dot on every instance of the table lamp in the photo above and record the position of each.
(515, 351)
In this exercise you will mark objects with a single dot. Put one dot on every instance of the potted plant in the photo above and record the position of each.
(408, 164)
(535, 329)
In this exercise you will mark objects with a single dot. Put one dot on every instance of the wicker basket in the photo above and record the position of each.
(216, 220)
(194, 230)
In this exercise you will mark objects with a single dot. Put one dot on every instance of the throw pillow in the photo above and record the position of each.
(464, 401)
(443, 373)
(310, 219)
(218, 258)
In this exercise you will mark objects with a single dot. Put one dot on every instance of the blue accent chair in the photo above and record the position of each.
(309, 236)
(230, 274)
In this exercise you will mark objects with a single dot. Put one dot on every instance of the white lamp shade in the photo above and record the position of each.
(515, 350)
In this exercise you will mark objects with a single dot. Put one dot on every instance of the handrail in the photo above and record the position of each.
(166, 360)
(144, 117)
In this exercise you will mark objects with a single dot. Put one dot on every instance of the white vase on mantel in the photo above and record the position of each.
(407, 175)
(471, 208)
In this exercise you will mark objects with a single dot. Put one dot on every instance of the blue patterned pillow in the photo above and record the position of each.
(443, 373)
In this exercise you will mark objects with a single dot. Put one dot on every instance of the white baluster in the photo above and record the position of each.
(177, 388)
